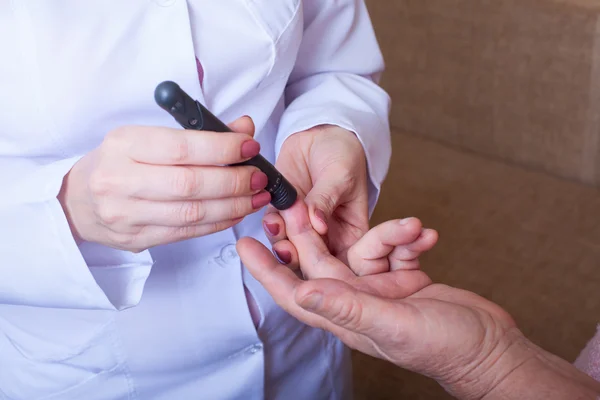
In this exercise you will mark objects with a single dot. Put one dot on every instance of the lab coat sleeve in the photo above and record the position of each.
(335, 81)
(41, 265)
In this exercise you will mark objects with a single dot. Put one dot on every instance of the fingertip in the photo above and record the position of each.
(297, 218)
(252, 252)
(244, 244)
(286, 254)
(426, 241)
(432, 235)
(396, 232)
(318, 220)
(411, 224)
(243, 124)
(274, 226)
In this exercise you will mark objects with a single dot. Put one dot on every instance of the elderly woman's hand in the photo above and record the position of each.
(468, 344)
(399, 315)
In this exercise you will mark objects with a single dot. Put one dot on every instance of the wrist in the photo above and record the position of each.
(63, 197)
(520, 370)
(71, 202)
(512, 352)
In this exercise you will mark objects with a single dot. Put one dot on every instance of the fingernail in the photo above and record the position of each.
(261, 199)
(272, 229)
(312, 302)
(283, 256)
(250, 149)
(405, 221)
(258, 180)
(321, 215)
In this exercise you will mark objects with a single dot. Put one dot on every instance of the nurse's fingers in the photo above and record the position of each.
(165, 146)
(170, 183)
(244, 124)
(181, 214)
(151, 236)
(274, 226)
(286, 254)
(314, 256)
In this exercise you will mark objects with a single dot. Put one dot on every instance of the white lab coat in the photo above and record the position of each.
(88, 322)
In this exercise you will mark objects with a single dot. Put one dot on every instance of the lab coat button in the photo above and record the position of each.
(227, 256)
(255, 349)
(229, 253)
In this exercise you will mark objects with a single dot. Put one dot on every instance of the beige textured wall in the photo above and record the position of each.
(513, 79)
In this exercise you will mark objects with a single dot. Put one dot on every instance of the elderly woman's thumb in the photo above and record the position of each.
(341, 304)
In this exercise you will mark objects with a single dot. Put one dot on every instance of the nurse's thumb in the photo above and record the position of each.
(243, 125)
(322, 201)
(341, 305)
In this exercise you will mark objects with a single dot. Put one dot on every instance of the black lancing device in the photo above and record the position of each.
(190, 114)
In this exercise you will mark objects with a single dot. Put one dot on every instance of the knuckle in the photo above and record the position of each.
(186, 232)
(241, 207)
(115, 135)
(241, 182)
(221, 226)
(192, 213)
(123, 241)
(110, 215)
(118, 137)
(101, 183)
(348, 181)
(181, 150)
(232, 152)
(348, 315)
(185, 182)
(327, 201)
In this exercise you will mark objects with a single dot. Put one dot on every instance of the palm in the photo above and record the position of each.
(478, 327)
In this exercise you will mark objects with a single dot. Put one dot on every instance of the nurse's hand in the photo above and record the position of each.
(147, 186)
(328, 166)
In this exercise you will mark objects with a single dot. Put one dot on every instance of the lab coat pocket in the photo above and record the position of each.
(46, 358)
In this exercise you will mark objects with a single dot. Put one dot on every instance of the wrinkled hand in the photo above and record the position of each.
(146, 186)
(327, 164)
(451, 335)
